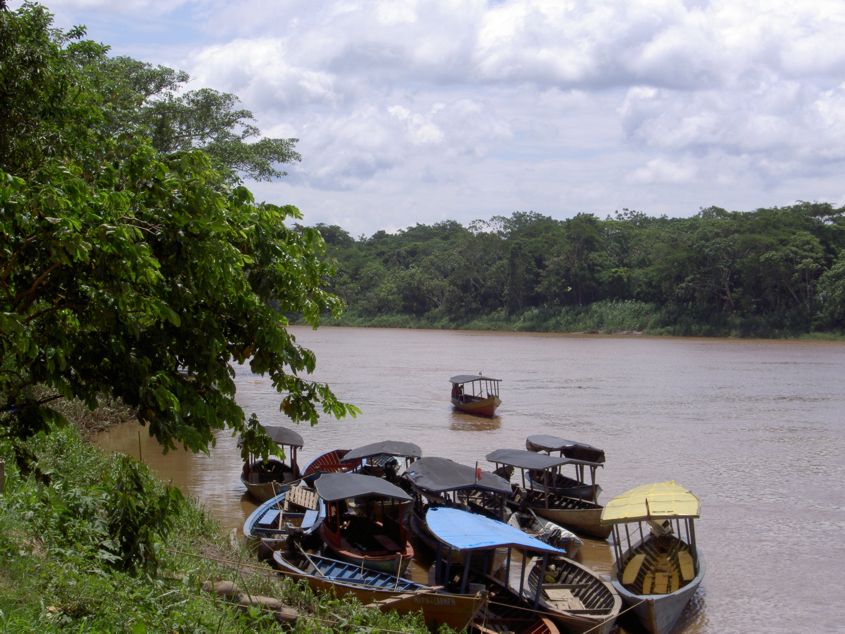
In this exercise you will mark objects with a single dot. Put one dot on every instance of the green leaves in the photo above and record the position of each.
(134, 267)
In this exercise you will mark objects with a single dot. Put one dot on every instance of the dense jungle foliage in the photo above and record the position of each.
(769, 272)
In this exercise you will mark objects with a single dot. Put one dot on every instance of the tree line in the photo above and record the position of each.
(770, 272)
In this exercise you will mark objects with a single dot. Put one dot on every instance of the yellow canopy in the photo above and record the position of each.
(660, 500)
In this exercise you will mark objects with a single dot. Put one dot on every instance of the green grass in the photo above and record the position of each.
(59, 572)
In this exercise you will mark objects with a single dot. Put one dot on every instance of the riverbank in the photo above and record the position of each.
(610, 317)
(65, 516)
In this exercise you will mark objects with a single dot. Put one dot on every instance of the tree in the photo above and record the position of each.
(132, 271)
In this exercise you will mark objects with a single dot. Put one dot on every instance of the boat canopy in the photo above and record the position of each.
(283, 435)
(441, 474)
(524, 459)
(657, 501)
(333, 487)
(385, 448)
(462, 530)
(469, 378)
(568, 448)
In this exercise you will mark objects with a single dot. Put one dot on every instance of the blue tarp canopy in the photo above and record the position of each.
(467, 531)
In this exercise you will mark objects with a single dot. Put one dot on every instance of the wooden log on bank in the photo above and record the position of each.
(229, 591)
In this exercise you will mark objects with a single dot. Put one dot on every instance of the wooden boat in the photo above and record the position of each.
(567, 448)
(579, 515)
(506, 614)
(547, 531)
(658, 569)
(442, 482)
(475, 394)
(330, 462)
(572, 594)
(581, 457)
(297, 510)
(265, 479)
(379, 589)
(380, 459)
(503, 557)
(364, 521)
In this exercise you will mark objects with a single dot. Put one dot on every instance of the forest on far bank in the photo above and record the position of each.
(773, 272)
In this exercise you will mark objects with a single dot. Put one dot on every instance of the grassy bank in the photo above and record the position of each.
(68, 516)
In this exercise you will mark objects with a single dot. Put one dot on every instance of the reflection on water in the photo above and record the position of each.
(754, 428)
(465, 422)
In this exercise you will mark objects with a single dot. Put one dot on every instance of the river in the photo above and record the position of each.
(754, 428)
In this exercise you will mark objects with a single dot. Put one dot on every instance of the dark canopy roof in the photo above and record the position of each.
(569, 448)
(283, 435)
(468, 378)
(441, 474)
(523, 459)
(341, 486)
(385, 448)
(468, 531)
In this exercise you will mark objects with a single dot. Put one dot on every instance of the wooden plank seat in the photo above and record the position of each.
(661, 583)
(687, 565)
(563, 598)
(632, 569)
(647, 582)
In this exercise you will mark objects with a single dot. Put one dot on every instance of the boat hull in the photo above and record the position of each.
(659, 613)
(391, 561)
(478, 407)
(395, 594)
(584, 602)
(271, 524)
(571, 488)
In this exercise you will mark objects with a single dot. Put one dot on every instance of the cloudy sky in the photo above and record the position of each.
(412, 111)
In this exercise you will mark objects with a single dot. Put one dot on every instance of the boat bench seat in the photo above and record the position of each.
(661, 583)
(269, 518)
(687, 566)
(310, 518)
(633, 569)
(563, 598)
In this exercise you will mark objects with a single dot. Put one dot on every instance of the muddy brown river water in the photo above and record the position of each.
(755, 428)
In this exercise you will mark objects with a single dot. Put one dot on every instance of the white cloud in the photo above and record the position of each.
(464, 108)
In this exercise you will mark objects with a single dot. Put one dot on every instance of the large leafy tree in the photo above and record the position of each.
(135, 270)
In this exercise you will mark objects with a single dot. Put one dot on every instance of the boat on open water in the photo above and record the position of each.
(658, 565)
(475, 394)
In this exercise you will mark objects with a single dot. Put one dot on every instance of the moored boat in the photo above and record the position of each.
(296, 510)
(265, 479)
(330, 462)
(475, 394)
(547, 531)
(574, 596)
(658, 566)
(443, 482)
(581, 457)
(577, 514)
(493, 556)
(379, 589)
(364, 521)
(380, 459)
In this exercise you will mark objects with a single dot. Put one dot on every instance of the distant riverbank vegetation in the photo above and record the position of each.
(775, 272)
